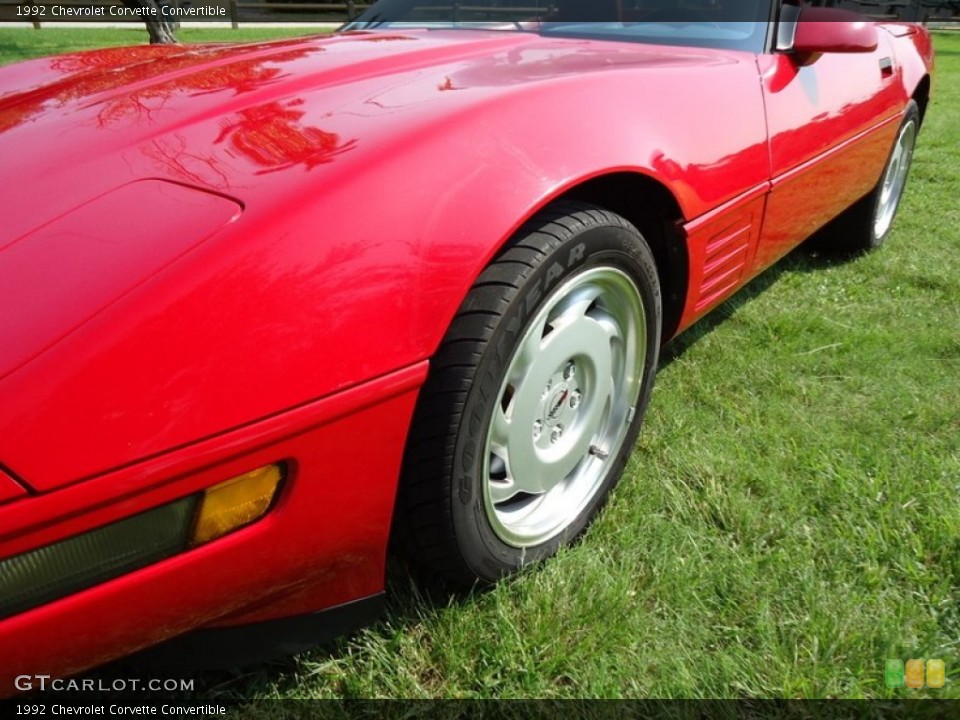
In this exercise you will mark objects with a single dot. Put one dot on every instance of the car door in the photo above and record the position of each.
(832, 119)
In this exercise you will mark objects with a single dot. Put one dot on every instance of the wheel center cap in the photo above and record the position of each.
(556, 402)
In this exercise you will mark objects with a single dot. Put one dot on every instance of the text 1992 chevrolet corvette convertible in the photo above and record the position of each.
(263, 303)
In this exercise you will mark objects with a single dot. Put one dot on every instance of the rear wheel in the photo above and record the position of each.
(534, 398)
(867, 225)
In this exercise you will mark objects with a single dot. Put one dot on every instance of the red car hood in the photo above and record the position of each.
(118, 163)
(269, 105)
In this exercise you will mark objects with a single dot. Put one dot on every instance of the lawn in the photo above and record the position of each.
(790, 518)
(22, 43)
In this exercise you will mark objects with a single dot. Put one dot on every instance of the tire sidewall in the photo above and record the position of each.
(600, 245)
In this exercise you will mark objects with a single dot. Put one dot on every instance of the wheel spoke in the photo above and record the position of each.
(600, 405)
(502, 490)
(526, 469)
(575, 306)
(561, 468)
(528, 352)
(499, 428)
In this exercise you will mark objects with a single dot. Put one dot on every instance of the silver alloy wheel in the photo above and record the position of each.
(894, 179)
(564, 407)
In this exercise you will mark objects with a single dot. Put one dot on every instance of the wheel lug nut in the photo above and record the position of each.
(556, 434)
(569, 371)
(537, 429)
(547, 389)
(575, 400)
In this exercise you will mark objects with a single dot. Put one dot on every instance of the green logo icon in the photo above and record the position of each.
(894, 673)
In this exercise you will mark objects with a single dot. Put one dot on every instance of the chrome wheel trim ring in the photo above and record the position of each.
(564, 407)
(894, 179)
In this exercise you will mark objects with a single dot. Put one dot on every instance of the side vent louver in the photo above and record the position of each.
(726, 259)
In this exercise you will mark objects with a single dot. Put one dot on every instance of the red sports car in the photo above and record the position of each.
(265, 306)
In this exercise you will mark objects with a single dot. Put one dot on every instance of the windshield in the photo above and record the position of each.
(733, 24)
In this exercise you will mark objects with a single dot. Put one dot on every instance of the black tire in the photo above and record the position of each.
(860, 228)
(447, 517)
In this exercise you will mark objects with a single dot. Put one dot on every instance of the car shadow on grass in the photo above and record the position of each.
(813, 256)
(413, 597)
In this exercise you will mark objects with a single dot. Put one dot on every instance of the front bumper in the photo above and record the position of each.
(323, 544)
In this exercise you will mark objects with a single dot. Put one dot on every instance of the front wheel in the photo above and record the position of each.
(534, 399)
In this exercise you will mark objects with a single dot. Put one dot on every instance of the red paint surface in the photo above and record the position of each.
(9, 488)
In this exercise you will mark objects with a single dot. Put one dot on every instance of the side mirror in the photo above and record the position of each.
(831, 30)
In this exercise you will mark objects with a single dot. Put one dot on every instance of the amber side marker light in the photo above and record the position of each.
(237, 502)
(62, 568)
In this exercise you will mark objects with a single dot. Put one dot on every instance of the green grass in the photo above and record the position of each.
(22, 43)
(790, 518)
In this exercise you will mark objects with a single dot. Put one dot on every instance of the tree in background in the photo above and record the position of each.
(160, 31)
